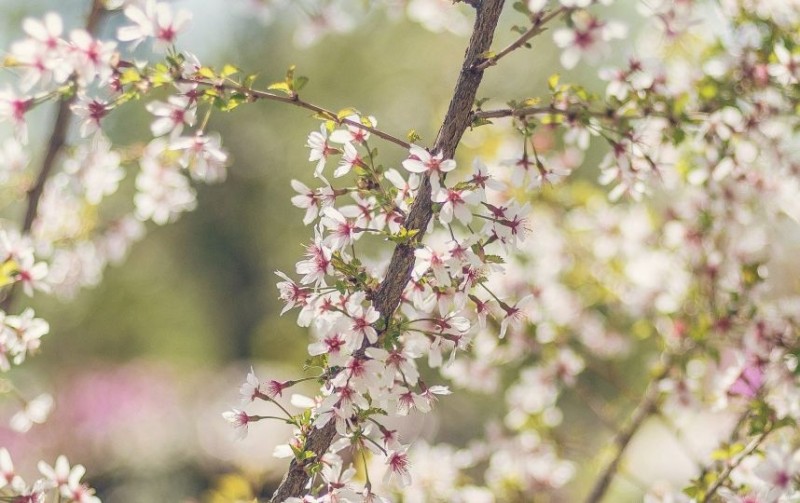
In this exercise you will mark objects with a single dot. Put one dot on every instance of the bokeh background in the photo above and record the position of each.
(142, 365)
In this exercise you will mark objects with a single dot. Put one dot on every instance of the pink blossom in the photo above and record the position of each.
(398, 466)
(156, 21)
(240, 421)
(423, 162)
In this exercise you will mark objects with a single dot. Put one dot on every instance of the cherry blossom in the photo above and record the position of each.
(586, 38)
(34, 411)
(422, 161)
(155, 21)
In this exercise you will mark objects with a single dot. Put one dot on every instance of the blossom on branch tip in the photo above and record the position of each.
(787, 69)
(398, 466)
(32, 275)
(586, 37)
(91, 111)
(342, 231)
(482, 179)
(350, 158)
(203, 156)
(240, 421)
(171, 115)
(362, 320)
(354, 134)
(291, 293)
(515, 315)
(7, 475)
(455, 203)
(155, 21)
(318, 265)
(91, 58)
(68, 480)
(423, 162)
(42, 55)
(13, 108)
(320, 149)
(34, 411)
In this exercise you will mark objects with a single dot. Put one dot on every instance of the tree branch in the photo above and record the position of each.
(538, 20)
(723, 477)
(296, 101)
(56, 142)
(647, 406)
(388, 295)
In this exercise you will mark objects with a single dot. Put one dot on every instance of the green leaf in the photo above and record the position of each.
(552, 81)
(345, 112)
(206, 72)
(249, 81)
(129, 76)
(7, 272)
(282, 87)
(479, 121)
(300, 82)
(234, 101)
(493, 259)
(229, 70)
(404, 236)
(521, 7)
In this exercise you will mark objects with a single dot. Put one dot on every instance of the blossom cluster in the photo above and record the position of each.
(369, 359)
(70, 232)
(684, 270)
(681, 279)
(61, 479)
(57, 248)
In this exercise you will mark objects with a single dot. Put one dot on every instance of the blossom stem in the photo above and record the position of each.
(495, 297)
(279, 406)
(281, 419)
(366, 467)
(607, 113)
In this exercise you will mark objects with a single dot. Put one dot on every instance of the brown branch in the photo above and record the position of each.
(387, 297)
(517, 112)
(57, 140)
(647, 407)
(539, 20)
(606, 113)
(296, 101)
(723, 477)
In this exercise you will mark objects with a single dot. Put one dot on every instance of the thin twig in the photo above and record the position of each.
(58, 138)
(647, 407)
(387, 296)
(723, 477)
(607, 113)
(296, 101)
(515, 112)
(536, 28)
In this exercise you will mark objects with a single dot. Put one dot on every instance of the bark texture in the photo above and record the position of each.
(398, 274)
